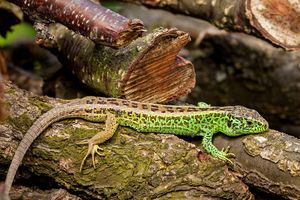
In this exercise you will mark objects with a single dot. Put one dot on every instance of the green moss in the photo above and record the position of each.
(22, 122)
(40, 103)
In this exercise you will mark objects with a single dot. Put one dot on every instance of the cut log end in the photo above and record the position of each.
(277, 20)
(159, 75)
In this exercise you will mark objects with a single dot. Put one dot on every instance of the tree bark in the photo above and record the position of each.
(138, 165)
(146, 70)
(153, 18)
(100, 24)
(3, 111)
(26, 193)
(274, 20)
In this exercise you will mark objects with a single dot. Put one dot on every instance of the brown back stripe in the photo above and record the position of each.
(145, 106)
(170, 109)
(125, 103)
(154, 108)
(134, 104)
(100, 101)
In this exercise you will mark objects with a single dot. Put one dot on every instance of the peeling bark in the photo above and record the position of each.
(148, 165)
(147, 70)
(100, 24)
(274, 20)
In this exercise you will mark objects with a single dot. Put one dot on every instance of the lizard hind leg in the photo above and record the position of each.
(111, 126)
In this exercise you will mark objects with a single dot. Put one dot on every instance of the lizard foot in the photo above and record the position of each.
(91, 151)
(225, 151)
(224, 155)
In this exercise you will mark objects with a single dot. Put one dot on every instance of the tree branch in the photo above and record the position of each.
(100, 24)
(274, 20)
(146, 70)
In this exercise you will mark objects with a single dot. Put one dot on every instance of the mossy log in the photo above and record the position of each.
(146, 70)
(274, 20)
(151, 166)
(100, 24)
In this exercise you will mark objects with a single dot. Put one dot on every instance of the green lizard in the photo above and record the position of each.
(201, 120)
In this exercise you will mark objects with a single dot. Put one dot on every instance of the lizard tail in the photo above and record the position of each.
(33, 132)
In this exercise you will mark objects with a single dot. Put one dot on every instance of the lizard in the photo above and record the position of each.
(202, 120)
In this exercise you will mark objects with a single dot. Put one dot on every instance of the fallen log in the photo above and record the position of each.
(146, 165)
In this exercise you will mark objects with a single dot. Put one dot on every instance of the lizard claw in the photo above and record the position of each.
(225, 155)
(91, 151)
(225, 152)
(226, 149)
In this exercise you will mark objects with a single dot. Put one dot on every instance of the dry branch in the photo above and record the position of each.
(275, 20)
(154, 18)
(92, 20)
(147, 165)
(147, 70)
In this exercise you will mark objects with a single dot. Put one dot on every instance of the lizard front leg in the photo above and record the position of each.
(214, 151)
(111, 126)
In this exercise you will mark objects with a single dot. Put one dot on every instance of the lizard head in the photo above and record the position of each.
(242, 121)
